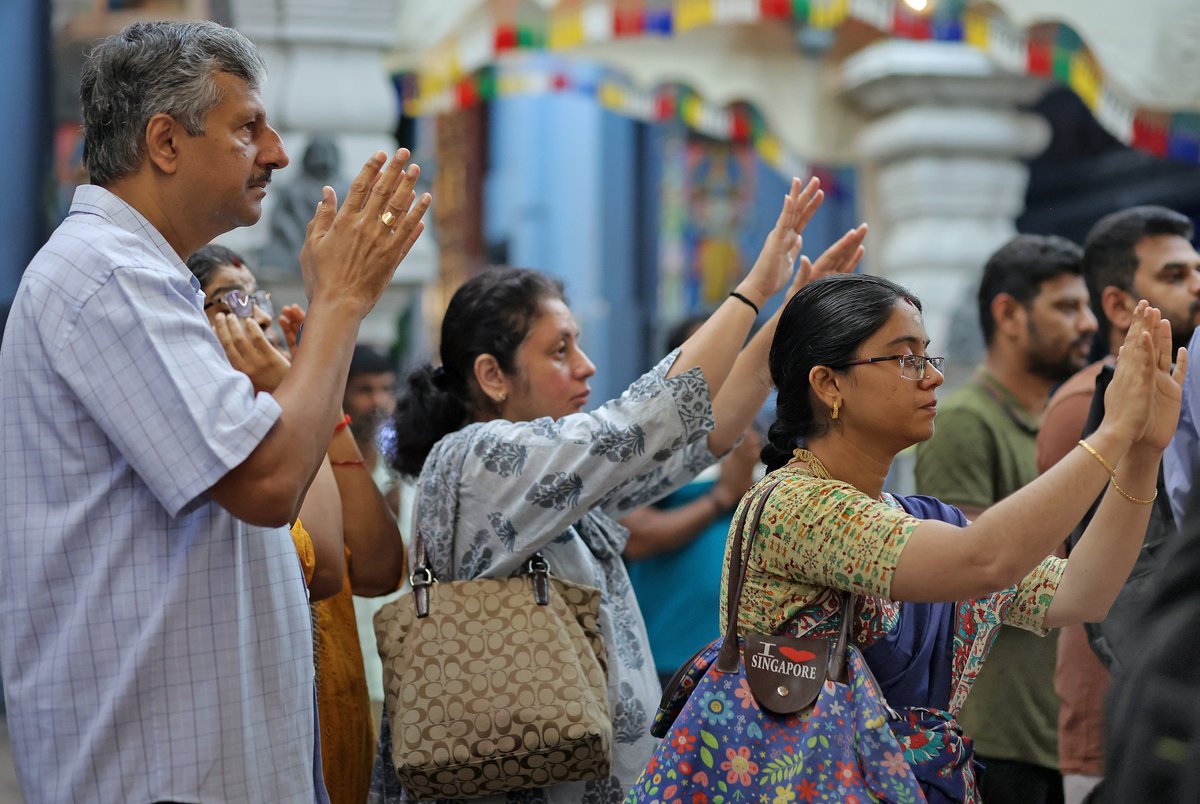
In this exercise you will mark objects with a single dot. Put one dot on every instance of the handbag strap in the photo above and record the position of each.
(727, 658)
(730, 653)
(837, 659)
(422, 577)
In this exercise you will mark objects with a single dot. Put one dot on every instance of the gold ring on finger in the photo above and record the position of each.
(387, 218)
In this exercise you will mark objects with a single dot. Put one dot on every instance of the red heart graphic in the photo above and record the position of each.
(797, 655)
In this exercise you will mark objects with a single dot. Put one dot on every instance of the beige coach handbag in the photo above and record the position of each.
(494, 684)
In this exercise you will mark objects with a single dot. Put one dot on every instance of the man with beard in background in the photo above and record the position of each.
(1137, 253)
(1038, 327)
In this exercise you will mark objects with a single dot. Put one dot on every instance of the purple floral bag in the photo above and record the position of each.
(773, 718)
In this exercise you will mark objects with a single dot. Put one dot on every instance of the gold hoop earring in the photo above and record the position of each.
(836, 406)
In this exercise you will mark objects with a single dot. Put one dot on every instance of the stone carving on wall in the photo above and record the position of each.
(295, 203)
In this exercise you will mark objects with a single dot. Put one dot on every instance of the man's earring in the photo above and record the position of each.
(836, 406)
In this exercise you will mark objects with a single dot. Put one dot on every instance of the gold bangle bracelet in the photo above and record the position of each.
(1130, 497)
(1107, 466)
(1112, 476)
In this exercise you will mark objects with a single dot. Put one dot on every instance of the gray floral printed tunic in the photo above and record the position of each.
(493, 494)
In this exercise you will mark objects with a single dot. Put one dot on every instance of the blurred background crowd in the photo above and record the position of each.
(637, 151)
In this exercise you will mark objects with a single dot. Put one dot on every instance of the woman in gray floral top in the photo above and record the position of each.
(509, 465)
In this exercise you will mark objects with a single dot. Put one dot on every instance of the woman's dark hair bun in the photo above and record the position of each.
(437, 409)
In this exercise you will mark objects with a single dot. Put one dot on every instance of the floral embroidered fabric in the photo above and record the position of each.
(818, 537)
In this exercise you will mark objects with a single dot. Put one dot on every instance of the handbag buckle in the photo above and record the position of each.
(422, 576)
(421, 579)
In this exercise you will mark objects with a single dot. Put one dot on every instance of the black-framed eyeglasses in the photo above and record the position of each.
(242, 304)
(912, 367)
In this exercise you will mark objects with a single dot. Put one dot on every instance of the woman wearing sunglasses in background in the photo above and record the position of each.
(355, 543)
(855, 388)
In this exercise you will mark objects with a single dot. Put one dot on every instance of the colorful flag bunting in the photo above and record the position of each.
(459, 72)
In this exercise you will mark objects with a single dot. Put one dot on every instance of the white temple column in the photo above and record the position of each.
(327, 76)
(941, 175)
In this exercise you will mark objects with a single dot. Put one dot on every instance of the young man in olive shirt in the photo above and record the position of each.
(1033, 309)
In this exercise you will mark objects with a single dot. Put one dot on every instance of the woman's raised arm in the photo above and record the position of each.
(716, 344)
(1102, 560)
(943, 562)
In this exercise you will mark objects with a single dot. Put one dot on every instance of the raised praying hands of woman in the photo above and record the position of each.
(840, 258)
(250, 352)
(1147, 405)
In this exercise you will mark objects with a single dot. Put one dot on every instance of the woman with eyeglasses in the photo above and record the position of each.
(856, 386)
(346, 536)
(230, 287)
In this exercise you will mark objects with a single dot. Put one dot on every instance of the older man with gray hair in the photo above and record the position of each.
(154, 627)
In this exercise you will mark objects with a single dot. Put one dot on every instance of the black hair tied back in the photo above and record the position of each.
(823, 325)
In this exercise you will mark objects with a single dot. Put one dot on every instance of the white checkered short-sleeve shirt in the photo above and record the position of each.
(152, 646)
